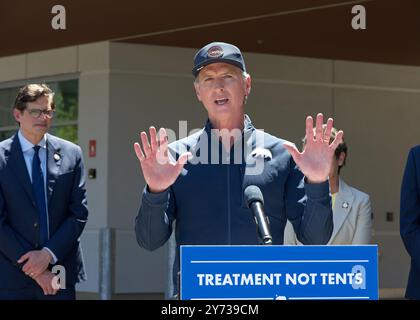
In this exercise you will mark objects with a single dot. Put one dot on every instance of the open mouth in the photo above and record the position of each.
(221, 102)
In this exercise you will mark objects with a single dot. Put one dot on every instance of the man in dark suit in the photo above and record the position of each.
(410, 218)
(43, 207)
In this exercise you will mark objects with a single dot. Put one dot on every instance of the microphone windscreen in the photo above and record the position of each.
(251, 194)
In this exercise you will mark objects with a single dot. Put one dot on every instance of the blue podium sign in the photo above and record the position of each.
(279, 272)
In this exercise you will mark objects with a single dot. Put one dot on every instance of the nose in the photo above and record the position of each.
(219, 83)
(43, 116)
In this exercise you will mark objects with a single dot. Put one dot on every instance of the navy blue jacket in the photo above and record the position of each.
(410, 219)
(207, 201)
(19, 218)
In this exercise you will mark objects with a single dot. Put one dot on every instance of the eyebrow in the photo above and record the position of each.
(208, 73)
(41, 107)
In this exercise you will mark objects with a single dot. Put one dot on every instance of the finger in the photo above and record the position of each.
(145, 143)
(55, 284)
(30, 267)
(163, 141)
(183, 160)
(309, 129)
(53, 291)
(327, 134)
(294, 152)
(24, 257)
(162, 155)
(35, 272)
(31, 273)
(45, 289)
(153, 139)
(318, 128)
(50, 290)
(138, 151)
(338, 139)
(27, 268)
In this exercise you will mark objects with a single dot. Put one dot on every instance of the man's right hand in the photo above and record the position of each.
(158, 171)
(45, 281)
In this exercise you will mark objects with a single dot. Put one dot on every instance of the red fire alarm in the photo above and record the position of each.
(92, 148)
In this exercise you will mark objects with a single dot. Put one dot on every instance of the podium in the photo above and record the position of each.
(279, 272)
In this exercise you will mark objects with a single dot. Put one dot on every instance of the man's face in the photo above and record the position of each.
(30, 125)
(222, 89)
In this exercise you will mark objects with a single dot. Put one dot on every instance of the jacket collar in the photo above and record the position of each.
(54, 159)
(27, 145)
(18, 166)
(247, 125)
(342, 206)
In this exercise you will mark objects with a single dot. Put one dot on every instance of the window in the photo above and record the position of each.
(64, 124)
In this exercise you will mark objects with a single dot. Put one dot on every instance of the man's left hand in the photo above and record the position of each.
(315, 160)
(37, 262)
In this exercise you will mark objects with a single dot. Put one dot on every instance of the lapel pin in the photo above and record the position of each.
(345, 205)
(56, 157)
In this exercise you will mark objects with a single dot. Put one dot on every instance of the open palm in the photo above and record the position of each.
(158, 170)
(316, 159)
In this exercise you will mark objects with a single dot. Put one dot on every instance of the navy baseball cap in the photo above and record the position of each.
(218, 52)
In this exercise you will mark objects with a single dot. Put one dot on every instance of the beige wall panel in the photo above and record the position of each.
(52, 62)
(281, 109)
(93, 56)
(13, 68)
(375, 74)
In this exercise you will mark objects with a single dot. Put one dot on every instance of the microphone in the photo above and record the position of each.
(255, 201)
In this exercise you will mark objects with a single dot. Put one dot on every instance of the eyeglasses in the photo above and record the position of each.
(36, 113)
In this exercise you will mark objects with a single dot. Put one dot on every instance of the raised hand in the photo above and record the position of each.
(315, 160)
(158, 170)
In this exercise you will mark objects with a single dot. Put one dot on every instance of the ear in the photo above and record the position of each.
(341, 158)
(197, 90)
(248, 85)
(17, 114)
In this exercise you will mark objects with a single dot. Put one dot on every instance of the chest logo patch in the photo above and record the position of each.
(262, 153)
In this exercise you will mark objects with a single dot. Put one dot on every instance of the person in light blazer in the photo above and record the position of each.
(352, 213)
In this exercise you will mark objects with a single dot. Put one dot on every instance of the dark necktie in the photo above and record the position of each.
(39, 191)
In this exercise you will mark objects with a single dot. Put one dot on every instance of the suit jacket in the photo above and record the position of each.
(410, 219)
(351, 217)
(19, 218)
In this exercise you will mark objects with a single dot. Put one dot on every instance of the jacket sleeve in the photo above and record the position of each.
(153, 224)
(363, 230)
(68, 234)
(308, 207)
(410, 209)
(11, 245)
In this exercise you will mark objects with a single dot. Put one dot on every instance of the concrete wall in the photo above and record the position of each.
(125, 88)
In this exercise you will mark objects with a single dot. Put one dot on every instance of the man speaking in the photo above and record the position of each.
(198, 182)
